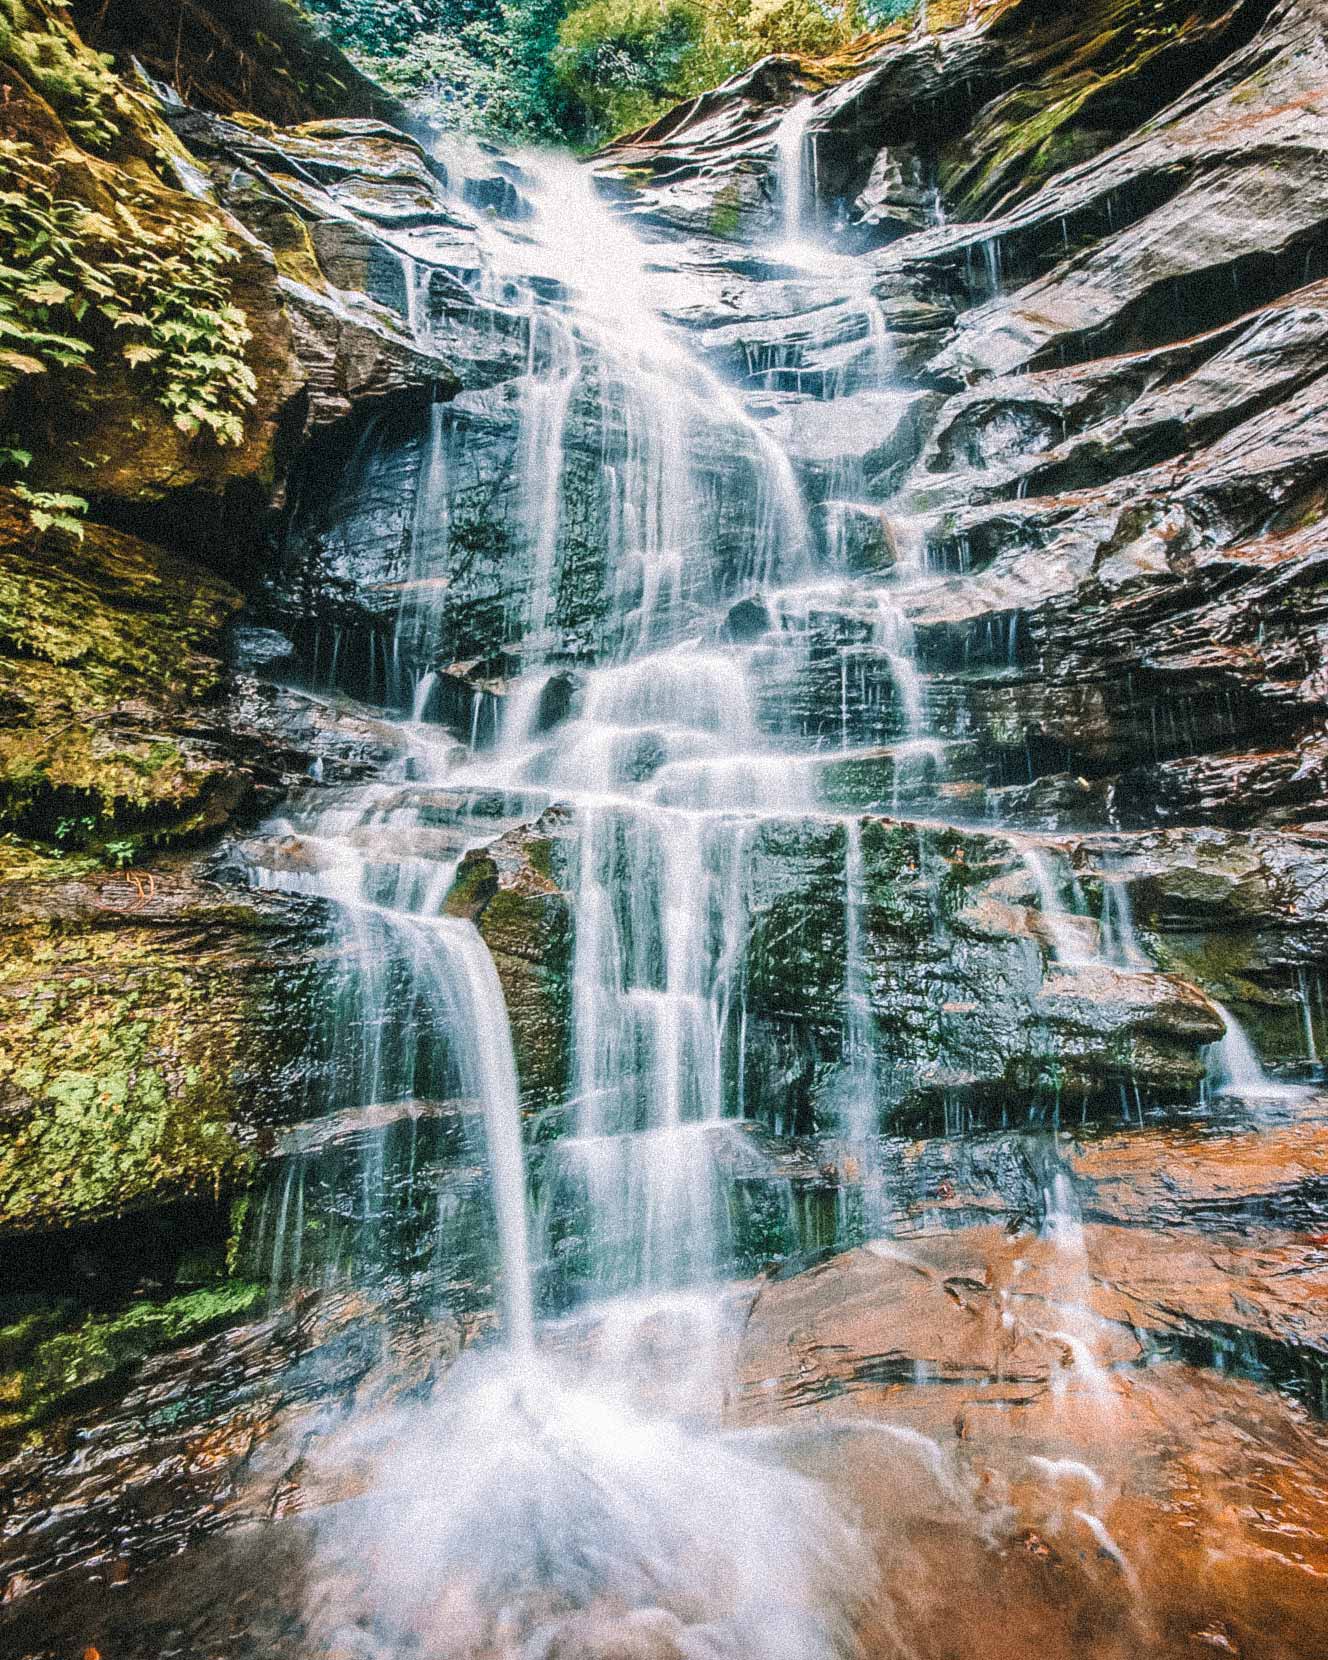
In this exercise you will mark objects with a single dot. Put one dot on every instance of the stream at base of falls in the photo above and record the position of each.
(594, 1478)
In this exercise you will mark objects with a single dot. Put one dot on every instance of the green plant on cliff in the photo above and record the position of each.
(53, 510)
(76, 279)
(77, 83)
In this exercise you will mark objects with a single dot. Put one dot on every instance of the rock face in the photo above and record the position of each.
(1105, 464)
(1117, 470)
(998, 1376)
(164, 1027)
(124, 735)
(256, 57)
(140, 1012)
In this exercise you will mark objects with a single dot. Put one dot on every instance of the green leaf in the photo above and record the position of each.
(19, 364)
(57, 521)
(48, 292)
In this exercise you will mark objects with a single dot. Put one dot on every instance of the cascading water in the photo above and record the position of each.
(668, 771)
(549, 1499)
(795, 151)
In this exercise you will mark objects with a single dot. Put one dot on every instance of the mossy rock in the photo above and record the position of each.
(103, 643)
(115, 435)
(52, 1354)
(513, 893)
(142, 1054)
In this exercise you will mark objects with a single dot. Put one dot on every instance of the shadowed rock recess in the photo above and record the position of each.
(780, 669)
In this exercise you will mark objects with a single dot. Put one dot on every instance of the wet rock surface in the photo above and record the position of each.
(148, 1007)
(978, 1401)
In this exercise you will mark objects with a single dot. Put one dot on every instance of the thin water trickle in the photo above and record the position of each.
(795, 175)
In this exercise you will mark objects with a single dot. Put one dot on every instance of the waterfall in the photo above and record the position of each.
(745, 629)
(861, 1086)
(795, 166)
(1067, 942)
(1233, 1066)
(422, 595)
(481, 1022)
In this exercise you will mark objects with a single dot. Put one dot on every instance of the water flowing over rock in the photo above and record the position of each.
(743, 1081)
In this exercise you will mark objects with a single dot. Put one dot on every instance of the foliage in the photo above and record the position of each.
(493, 73)
(75, 278)
(381, 30)
(75, 831)
(479, 64)
(120, 852)
(537, 69)
(622, 59)
(77, 83)
(53, 510)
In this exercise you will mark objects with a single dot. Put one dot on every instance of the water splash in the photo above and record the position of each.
(524, 1515)
(1234, 1067)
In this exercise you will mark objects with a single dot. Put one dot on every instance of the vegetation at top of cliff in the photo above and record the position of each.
(544, 69)
(624, 61)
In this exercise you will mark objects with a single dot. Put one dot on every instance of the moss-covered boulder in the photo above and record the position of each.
(178, 304)
(54, 1355)
(104, 643)
(153, 1028)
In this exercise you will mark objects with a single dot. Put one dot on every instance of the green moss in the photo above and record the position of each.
(53, 1353)
(1219, 962)
(22, 860)
(112, 615)
(476, 880)
(112, 622)
(540, 853)
(726, 211)
(1033, 136)
(235, 1235)
(899, 896)
(796, 954)
(124, 1058)
(1106, 64)
(861, 781)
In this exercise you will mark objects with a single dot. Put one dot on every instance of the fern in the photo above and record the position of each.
(53, 510)
(72, 279)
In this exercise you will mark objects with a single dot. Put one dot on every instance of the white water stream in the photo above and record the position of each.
(562, 1483)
